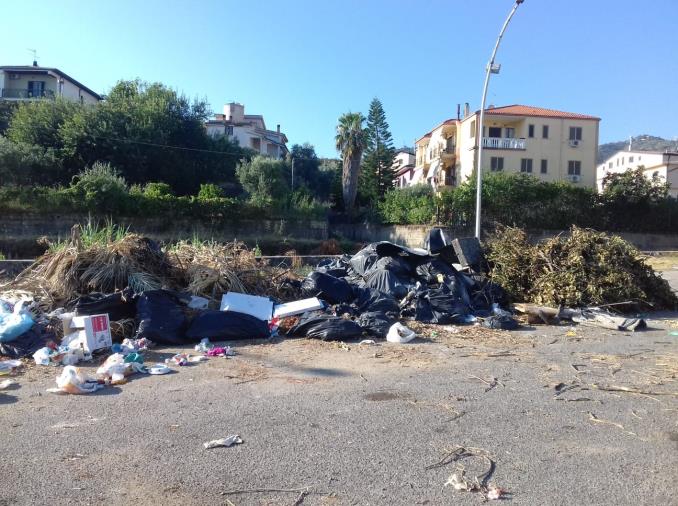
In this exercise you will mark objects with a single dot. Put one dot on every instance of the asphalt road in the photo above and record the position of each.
(359, 424)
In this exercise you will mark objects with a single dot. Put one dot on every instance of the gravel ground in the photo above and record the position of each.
(358, 424)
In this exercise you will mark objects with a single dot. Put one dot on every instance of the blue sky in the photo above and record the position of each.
(302, 63)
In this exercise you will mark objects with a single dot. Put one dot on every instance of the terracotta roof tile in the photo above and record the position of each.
(526, 110)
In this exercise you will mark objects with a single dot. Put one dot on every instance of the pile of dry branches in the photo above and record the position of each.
(581, 268)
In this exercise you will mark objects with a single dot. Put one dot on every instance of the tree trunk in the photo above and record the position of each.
(351, 172)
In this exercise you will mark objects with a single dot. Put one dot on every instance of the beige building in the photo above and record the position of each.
(26, 82)
(548, 144)
(662, 164)
(249, 130)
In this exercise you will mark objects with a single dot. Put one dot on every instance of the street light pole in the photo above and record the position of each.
(491, 69)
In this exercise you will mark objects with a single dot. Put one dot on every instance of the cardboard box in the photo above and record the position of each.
(88, 332)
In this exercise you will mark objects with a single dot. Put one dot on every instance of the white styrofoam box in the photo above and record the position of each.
(259, 307)
(297, 307)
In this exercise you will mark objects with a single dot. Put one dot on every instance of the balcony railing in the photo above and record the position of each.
(504, 143)
(26, 94)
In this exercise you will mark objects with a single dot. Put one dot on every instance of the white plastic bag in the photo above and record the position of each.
(72, 381)
(399, 333)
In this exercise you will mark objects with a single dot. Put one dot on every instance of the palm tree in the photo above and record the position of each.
(351, 139)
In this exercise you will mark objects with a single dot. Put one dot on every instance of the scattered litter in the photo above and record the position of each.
(72, 381)
(479, 483)
(219, 351)
(598, 318)
(198, 302)
(368, 342)
(197, 358)
(180, 359)
(399, 333)
(14, 321)
(7, 366)
(203, 346)
(5, 384)
(88, 333)
(225, 442)
(159, 369)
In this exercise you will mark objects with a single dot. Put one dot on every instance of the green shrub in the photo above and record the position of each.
(155, 190)
(411, 205)
(100, 189)
(209, 191)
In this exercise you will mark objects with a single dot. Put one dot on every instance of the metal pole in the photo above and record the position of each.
(479, 132)
(292, 174)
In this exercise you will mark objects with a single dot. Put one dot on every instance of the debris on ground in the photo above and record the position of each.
(223, 442)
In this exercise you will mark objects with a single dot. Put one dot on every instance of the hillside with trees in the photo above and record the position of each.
(640, 143)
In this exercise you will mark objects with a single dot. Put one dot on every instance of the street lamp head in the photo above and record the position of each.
(519, 1)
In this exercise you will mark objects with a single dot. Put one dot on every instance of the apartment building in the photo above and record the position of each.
(548, 144)
(249, 130)
(660, 164)
(32, 82)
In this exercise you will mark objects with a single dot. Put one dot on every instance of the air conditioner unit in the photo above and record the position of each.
(574, 178)
(574, 143)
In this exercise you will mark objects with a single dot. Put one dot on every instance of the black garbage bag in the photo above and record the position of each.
(397, 265)
(227, 325)
(371, 300)
(118, 305)
(501, 322)
(439, 305)
(327, 328)
(485, 293)
(430, 271)
(363, 261)
(388, 282)
(28, 343)
(376, 324)
(161, 317)
(326, 287)
(435, 241)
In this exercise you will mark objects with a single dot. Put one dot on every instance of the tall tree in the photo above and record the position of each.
(351, 141)
(377, 174)
(306, 164)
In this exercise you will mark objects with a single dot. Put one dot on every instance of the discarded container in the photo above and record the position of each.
(89, 333)
(159, 369)
(259, 307)
(224, 442)
(7, 366)
(296, 307)
(399, 333)
(14, 323)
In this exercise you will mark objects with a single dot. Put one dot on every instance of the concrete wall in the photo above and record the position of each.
(22, 228)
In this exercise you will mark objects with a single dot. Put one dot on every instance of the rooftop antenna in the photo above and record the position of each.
(35, 56)
(630, 142)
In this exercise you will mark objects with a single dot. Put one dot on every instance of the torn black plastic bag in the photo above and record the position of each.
(376, 324)
(118, 305)
(326, 287)
(501, 322)
(227, 325)
(439, 305)
(364, 260)
(328, 328)
(161, 317)
(398, 266)
(388, 282)
(378, 311)
(431, 271)
(28, 343)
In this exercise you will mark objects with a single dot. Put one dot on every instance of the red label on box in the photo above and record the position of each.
(99, 324)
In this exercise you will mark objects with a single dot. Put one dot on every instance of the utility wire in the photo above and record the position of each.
(165, 145)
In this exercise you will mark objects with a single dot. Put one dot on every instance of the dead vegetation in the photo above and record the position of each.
(582, 268)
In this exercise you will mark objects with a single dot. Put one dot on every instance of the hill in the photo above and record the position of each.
(640, 143)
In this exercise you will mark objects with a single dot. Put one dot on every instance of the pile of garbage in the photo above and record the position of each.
(578, 269)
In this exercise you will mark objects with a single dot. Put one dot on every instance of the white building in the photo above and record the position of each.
(664, 165)
(31, 82)
(403, 166)
(249, 130)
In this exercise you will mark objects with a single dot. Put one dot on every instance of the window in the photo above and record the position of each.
(575, 133)
(510, 133)
(574, 168)
(526, 165)
(255, 143)
(630, 159)
(473, 129)
(622, 160)
(494, 132)
(609, 165)
(229, 130)
(544, 166)
(545, 131)
(530, 131)
(36, 88)
(497, 163)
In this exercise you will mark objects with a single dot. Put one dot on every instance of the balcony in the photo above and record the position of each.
(19, 94)
(504, 143)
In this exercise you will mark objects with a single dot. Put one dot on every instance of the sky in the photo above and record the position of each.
(303, 63)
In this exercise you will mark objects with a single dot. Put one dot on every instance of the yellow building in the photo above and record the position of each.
(25, 82)
(551, 145)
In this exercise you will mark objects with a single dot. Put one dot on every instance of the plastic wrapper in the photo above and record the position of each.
(72, 381)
